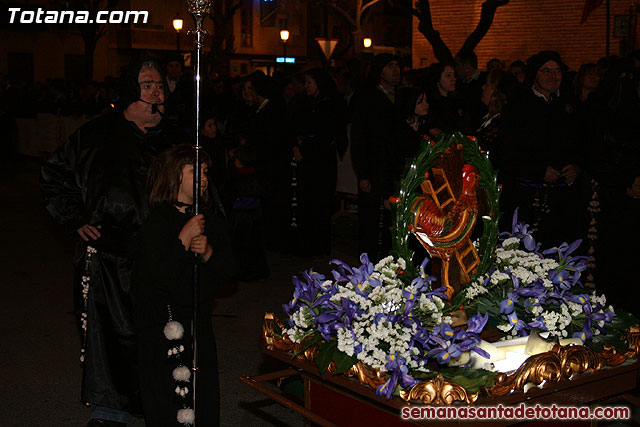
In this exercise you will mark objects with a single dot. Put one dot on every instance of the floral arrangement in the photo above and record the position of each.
(370, 314)
(526, 289)
(394, 319)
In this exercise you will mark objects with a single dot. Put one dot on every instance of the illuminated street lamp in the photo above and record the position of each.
(284, 36)
(366, 42)
(177, 25)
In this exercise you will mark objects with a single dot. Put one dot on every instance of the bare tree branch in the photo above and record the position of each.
(425, 26)
(350, 19)
(368, 5)
(487, 14)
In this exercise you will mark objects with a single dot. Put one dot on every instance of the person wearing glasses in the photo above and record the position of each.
(95, 184)
(539, 156)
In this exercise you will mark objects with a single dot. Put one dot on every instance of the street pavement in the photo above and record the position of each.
(40, 347)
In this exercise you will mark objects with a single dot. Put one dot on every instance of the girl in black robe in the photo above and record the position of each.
(165, 254)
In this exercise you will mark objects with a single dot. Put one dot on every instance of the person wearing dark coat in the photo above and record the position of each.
(243, 192)
(268, 134)
(469, 90)
(95, 185)
(410, 130)
(320, 129)
(371, 142)
(539, 157)
(163, 282)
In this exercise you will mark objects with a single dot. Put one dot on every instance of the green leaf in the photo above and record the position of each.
(599, 341)
(615, 331)
(471, 379)
(315, 337)
(325, 355)
(343, 361)
(277, 329)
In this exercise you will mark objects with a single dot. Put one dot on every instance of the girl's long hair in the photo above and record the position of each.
(407, 99)
(165, 174)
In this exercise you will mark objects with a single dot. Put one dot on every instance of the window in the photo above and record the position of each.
(246, 23)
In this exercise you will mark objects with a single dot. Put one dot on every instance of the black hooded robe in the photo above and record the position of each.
(98, 177)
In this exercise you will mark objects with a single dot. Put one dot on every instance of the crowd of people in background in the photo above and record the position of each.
(554, 134)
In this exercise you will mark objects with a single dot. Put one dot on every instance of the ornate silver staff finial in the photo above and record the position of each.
(199, 7)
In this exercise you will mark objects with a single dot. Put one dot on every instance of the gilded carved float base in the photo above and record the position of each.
(561, 363)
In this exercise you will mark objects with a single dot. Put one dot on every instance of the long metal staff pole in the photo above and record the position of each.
(198, 10)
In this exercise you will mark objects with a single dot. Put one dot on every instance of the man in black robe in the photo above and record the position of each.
(539, 156)
(371, 145)
(95, 184)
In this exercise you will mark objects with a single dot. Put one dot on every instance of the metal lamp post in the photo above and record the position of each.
(177, 25)
(284, 36)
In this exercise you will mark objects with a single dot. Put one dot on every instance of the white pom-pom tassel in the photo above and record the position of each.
(181, 373)
(173, 330)
(186, 416)
(177, 390)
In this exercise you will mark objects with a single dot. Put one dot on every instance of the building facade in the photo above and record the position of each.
(524, 27)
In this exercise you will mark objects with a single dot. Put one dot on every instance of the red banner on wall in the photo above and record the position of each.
(589, 6)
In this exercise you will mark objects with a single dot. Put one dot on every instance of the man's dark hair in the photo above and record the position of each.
(129, 88)
(468, 57)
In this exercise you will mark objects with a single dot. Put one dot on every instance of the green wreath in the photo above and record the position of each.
(409, 190)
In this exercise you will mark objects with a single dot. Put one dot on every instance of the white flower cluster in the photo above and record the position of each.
(557, 323)
(511, 243)
(476, 288)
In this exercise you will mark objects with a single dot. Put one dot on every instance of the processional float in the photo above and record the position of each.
(448, 190)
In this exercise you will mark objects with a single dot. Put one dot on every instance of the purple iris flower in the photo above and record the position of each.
(563, 252)
(338, 317)
(406, 317)
(305, 290)
(507, 305)
(380, 317)
(444, 330)
(517, 323)
(538, 323)
(582, 335)
(420, 337)
(445, 353)
(532, 290)
(422, 271)
(440, 293)
(522, 231)
(578, 298)
(477, 323)
(469, 339)
(593, 317)
(399, 374)
(444, 349)
(564, 279)
(357, 276)
(344, 271)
